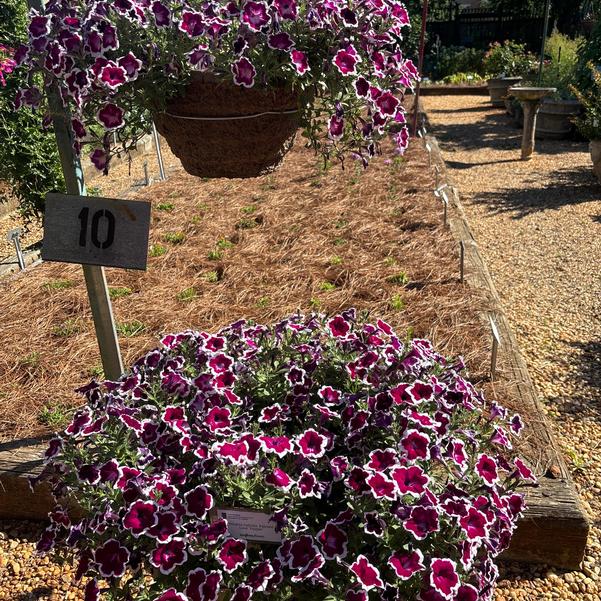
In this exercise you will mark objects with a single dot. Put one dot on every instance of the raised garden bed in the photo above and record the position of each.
(304, 238)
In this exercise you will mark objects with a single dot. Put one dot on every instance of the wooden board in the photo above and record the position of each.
(96, 231)
(554, 529)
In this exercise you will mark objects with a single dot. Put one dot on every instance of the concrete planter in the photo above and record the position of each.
(497, 89)
(595, 148)
(556, 118)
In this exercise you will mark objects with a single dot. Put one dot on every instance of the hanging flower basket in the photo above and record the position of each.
(219, 129)
(118, 65)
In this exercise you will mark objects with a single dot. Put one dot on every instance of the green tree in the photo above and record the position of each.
(28, 156)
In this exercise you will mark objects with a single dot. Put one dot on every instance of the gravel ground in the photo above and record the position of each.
(538, 224)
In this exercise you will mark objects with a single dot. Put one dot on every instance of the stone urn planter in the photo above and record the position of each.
(595, 148)
(497, 88)
(556, 118)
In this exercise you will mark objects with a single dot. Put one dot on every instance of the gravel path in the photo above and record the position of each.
(538, 224)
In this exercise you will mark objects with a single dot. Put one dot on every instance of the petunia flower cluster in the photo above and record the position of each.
(116, 63)
(385, 473)
(7, 63)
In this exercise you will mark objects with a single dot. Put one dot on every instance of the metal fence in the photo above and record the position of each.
(477, 28)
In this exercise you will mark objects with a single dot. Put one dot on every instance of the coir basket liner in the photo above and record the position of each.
(219, 129)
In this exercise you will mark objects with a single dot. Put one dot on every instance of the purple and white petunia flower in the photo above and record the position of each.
(381, 459)
(381, 486)
(287, 9)
(329, 395)
(302, 552)
(218, 418)
(346, 60)
(111, 559)
(140, 517)
(387, 104)
(467, 592)
(308, 485)
(167, 556)
(113, 76)
(524, 471)
(171, 594)
(162, 15)
(280, 479)
(486, 468)
(475, 524)
(202, 586)
(422, 521)
(416, 445)
(335, 127)
(280, 41)
(374, 524)
(236, 452)
(334, 541)
(279, 445)
(260, 575)
(300, 61)
(111, 116)
(311, 444)
(443, 577)
(410, 480)
(407, 564)
(232, 554)
(192, 23)
(255, 15)
(131, 65)
(198, 501)
(244, 72)
(367, 574)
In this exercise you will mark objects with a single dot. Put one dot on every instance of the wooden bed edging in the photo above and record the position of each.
(554, 528)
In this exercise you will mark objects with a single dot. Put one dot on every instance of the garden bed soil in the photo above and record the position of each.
(301, 239)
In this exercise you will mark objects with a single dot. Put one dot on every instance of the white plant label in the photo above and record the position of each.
(250, 525)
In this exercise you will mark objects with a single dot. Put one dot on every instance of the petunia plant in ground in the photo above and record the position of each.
(383, 472)
(117, 63)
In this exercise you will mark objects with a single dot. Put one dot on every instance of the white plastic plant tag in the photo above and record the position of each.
(249, 525)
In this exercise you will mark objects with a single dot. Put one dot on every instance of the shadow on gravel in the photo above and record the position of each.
(461, 165)
(470, 109)
(588, 360)
(566, 187)
(39, 592)
(494, 131)
(585, 400)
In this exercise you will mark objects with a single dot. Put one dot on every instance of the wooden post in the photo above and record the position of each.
(422, 43)
(98, 293)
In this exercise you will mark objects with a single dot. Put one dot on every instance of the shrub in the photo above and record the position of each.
(559, 68)
(28, 156)
(589, 123)
(450, 60)
(379, 465)
(508, 59)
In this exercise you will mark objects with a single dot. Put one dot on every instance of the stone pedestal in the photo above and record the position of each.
(530, 99)
(531, 108)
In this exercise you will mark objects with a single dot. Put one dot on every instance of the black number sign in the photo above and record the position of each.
(98, 215)
(96, 231)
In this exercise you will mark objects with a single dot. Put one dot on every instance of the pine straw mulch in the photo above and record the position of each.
(301, 238)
